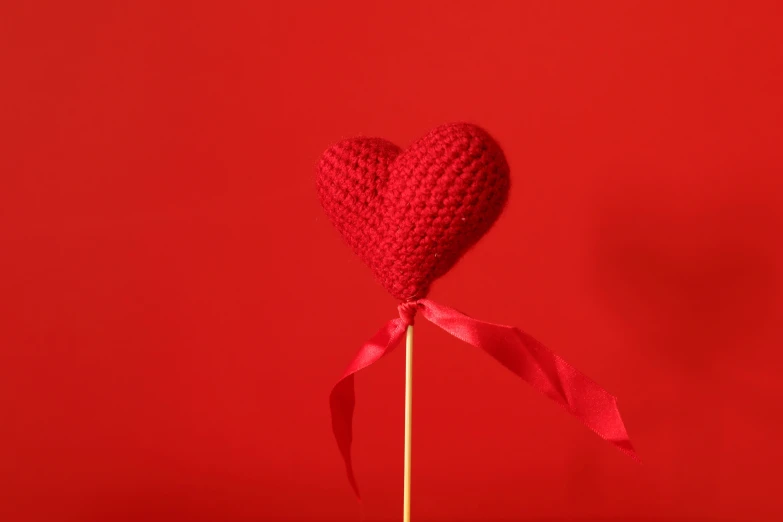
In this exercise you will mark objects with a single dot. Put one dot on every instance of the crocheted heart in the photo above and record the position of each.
(410, 215)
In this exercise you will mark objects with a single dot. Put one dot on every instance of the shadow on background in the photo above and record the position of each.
(694, 288)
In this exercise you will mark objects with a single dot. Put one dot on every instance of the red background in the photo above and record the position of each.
(174, 307)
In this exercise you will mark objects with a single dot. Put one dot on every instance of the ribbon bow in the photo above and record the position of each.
(527, 358)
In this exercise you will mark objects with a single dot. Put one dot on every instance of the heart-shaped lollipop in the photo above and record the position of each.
(411, 214)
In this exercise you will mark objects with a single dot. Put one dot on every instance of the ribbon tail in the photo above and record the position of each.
(544, 370)
(342, 400)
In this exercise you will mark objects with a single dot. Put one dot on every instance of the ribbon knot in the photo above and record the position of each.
(407, 311)
(517, 351)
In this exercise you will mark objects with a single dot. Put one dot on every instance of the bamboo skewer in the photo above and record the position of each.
(406, 492)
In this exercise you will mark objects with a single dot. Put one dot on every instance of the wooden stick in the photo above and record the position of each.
(406, 492)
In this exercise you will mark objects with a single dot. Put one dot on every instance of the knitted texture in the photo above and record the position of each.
(411, 214)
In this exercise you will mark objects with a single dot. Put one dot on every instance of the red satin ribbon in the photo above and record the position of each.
(527, 358)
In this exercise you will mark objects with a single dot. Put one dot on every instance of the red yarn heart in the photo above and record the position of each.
(410, 215)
